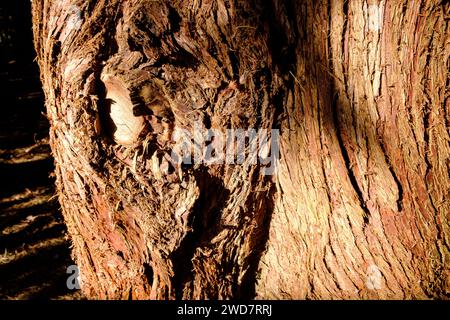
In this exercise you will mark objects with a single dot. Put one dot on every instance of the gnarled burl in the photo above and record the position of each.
(358, 206)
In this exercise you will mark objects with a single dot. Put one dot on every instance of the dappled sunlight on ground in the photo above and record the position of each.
(34, 248)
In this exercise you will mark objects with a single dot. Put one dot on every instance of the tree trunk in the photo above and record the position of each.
(358, 205)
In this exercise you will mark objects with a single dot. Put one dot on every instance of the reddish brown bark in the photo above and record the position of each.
(358, 207)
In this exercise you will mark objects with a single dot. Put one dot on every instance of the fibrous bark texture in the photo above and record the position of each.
(358, 206)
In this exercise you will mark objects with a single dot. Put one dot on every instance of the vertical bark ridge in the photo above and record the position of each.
(400, 229)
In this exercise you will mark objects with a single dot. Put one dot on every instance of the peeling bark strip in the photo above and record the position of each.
(359, 205)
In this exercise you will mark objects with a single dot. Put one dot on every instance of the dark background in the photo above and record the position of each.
(34, 249)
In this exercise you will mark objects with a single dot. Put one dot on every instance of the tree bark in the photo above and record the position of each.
(358, 206)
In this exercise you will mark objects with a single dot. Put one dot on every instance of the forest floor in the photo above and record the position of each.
(34, 248)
